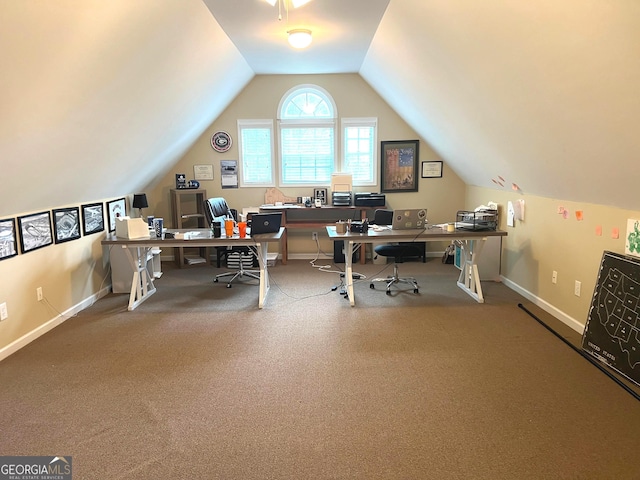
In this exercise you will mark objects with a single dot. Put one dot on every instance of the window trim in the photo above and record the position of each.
(360, 122)
(256, 123)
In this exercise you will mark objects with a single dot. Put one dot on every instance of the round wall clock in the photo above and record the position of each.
(221, 141)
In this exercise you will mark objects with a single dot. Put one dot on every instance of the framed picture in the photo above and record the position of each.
(399, 166)
(66, 224)
(35, 231)
(8, 243)
(432, 169)
(92, 218)
(115, 208)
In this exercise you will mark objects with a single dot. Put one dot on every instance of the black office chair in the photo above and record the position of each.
(399, 251)
(216, 209)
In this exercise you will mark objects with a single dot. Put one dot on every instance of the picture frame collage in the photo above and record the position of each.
(59, 225)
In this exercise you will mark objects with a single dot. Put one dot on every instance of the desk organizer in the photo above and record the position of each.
(480, 220)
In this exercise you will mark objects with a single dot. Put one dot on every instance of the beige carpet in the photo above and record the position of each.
(199, 383)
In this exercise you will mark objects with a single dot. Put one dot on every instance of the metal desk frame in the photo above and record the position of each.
(471, 245)
(143, 287)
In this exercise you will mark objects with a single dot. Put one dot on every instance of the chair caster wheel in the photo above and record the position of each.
(372, 286)
(388, 292)
(415, 290)
(215, 280)
(228, 285)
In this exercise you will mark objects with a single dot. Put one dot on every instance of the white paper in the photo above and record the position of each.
(510, 214)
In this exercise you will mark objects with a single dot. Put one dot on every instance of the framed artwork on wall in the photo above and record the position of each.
(432, 169)
(66, 224)
(8, 242)
(115, 208)
(92, 218)
(399, 166)
(35, 231)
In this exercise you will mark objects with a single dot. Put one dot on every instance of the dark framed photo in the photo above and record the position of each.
(8, 242)
(399, 165)
(92, 218)
(35, 231)
(66, 224)
(115, 209)
(432, 169)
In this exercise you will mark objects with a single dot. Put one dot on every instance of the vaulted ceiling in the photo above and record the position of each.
(99, 98)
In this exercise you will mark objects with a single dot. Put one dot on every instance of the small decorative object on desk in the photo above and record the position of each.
(181, 180)
(158, 224)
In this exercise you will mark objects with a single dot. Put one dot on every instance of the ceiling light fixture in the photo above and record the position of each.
(299, 37)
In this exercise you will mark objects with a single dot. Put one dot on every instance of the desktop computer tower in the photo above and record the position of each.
(338, 252)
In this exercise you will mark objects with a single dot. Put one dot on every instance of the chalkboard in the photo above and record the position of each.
(612, 333)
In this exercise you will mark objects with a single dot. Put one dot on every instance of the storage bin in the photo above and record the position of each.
(480, 220)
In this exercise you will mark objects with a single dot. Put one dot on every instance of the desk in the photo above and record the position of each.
(315, 217)
(142, 286)
(471, 241)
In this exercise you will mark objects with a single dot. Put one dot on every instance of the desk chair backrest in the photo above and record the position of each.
(216, 209)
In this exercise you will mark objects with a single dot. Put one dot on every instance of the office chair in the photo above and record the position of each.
(399, 251)
(216, 210)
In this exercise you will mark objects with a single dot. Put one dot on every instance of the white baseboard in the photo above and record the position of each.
(51, 324)
(550, 309)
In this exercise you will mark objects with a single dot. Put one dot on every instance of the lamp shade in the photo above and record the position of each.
(299, 38)
(140, 200)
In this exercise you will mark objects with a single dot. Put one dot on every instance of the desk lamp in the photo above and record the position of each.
(140, 202)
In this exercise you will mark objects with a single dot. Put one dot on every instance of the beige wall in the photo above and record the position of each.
(546, 241)
(71, 274)
(353, 98)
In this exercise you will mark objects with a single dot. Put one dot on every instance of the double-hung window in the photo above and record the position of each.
(256, 153)
(359, 149)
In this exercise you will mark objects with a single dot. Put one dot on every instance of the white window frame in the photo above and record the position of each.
(251, 124)
(311, 122)
(367, 122)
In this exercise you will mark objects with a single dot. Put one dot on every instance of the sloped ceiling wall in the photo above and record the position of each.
(100, 99)
(544, 94)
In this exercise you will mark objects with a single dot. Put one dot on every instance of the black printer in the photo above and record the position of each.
(367, 199)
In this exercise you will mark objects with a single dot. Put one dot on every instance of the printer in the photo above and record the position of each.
(367, 199)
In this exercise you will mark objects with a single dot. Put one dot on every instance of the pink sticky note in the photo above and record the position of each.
(599, 230)
(615, 233)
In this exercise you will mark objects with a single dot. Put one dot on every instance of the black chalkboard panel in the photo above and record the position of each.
(612, 333)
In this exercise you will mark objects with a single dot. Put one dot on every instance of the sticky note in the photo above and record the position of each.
(579, 215)
(599, 230)
(615, 233)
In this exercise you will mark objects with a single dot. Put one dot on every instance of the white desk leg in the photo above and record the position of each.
(469, 279)
(261, 250)
(142, 286)
(348, 270)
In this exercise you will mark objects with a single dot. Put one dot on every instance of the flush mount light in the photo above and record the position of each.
(299, 38)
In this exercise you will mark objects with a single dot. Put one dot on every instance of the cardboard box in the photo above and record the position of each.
(131, 228)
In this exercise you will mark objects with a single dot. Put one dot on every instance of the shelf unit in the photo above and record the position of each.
(187, 209)
(121, 266)
(294, 217)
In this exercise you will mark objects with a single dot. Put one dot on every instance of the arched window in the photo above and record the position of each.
(307, 137)
(307, 132)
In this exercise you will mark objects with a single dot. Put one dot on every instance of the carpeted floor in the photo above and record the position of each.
(199, 383)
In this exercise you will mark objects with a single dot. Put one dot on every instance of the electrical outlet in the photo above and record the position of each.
(314, 236)
(39, 293)
(576, 289)
(554, 277)
(3, 311)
